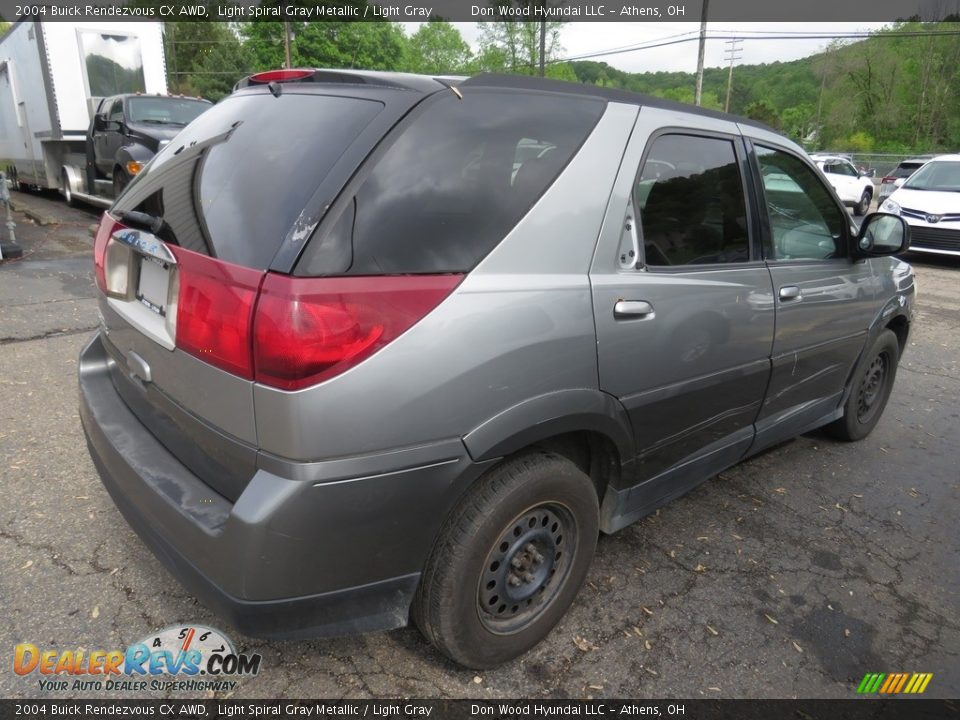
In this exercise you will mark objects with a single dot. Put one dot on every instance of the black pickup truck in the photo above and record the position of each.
(127, 130)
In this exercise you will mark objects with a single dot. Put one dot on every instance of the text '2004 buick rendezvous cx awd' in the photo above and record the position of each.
(378, 347)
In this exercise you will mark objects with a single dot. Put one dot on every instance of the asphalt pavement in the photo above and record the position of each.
(790, 575)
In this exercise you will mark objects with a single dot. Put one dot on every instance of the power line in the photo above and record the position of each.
(715, 35)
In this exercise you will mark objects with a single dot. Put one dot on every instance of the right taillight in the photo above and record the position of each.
(309, 329)
(283, 331)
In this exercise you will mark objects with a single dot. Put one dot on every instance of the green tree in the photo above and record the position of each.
(436, 48)
(204, 58)
(369, 45)
(764, 112)
(519, 41)
(220, 69)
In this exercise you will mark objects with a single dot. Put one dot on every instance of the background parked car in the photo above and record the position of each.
(929, 201)
(900, 173)
(853, 187)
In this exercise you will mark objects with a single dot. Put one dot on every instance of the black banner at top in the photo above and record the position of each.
(484, 10)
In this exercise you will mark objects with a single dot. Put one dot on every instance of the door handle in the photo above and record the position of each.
(790, 292)
(632, 309)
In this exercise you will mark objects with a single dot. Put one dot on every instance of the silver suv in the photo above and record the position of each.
(376, 347)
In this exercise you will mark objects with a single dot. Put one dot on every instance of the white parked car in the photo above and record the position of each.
(853, 187)
(930, 203)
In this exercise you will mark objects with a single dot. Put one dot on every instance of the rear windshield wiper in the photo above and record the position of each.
(142, 220)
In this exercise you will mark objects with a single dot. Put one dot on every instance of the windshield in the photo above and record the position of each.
(936, 175)
(164, 110)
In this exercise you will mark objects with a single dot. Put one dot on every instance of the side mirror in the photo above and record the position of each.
(883, 234)
(99, 122)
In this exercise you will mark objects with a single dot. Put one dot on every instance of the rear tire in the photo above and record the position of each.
(509, 560)
(864, 204)
(66, 191)
(871, 387)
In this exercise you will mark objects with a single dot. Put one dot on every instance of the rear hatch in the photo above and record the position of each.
(181, 256)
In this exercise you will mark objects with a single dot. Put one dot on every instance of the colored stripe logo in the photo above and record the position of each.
(894, 683)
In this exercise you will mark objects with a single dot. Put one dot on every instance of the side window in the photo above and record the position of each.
(848, 170)
(116, 110)
(804, 221)
(689, 198)
(454, 183)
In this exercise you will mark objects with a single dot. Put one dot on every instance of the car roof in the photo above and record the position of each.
(536, 84)
(824, 158)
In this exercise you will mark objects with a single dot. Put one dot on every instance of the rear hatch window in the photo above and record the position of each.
(232, 184)
(905, 170)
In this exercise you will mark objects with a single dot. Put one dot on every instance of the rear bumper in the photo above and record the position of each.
(308, 549)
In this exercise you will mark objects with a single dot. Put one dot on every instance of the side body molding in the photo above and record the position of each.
(549, 415)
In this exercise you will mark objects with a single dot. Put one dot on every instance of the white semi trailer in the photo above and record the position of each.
(54, 78)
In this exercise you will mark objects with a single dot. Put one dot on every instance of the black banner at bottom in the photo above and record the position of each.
(857, 709)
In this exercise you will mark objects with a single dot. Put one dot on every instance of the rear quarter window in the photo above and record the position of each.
(452, 184)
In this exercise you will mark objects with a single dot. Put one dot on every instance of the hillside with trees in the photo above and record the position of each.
(885, 94)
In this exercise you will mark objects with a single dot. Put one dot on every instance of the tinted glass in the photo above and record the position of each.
(904, 170)
(805, 223)
(113, 63)
(164, 111)
(689, 196)
(453, 184)
(234, 181)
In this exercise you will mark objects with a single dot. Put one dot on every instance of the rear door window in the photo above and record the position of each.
(232, 184)
(452, 184)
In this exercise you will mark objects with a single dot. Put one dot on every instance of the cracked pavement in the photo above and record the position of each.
(790, 575)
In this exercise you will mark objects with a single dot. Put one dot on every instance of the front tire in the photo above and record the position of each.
(871, 387)
(509, 560)
(864, 204)
(120, 181)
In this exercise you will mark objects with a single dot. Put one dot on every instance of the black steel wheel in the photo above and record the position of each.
(870, 389)
(509, 560)
(525, 570)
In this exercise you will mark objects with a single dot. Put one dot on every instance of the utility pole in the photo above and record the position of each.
(286, 43)
(543, 46)
(703, 42)
(732, 49)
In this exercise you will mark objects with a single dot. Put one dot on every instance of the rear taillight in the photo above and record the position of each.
(214, 311)
(283, 331)
(108, 226)
(309, 329)
(887, 180)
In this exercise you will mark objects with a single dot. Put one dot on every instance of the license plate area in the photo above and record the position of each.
(154, 284)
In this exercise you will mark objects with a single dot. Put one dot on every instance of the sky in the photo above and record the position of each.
(586, 37)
